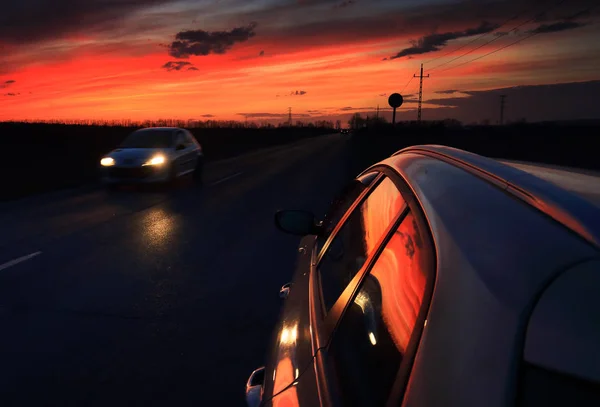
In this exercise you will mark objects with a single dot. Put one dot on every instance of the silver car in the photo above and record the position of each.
(155, 154)
(442, 278)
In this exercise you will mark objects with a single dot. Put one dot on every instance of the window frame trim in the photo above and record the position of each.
(357, 202)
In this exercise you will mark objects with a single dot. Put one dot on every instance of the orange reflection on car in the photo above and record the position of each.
(399, 272)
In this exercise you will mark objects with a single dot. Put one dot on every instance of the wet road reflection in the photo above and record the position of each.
(158, 227)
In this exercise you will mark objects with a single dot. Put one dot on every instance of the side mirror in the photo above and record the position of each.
(296, 222)
(180, 147)
(285, 291)
(254, 387)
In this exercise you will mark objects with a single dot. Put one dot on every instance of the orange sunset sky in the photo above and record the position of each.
(227, 59)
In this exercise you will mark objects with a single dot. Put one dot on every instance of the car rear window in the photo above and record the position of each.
(543, 387)
(148, 139)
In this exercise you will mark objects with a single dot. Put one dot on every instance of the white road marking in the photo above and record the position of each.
(226, 178)
(19, 260)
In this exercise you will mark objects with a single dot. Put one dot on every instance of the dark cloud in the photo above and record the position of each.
(255, 115)
(192, 68)
(435, 42)
(298, 93)
(261, 53)
(345, 3)
(347, 109)
(557, 27)
(6, 84)
(201, 43)
(579, 14)
(383, 94)
(208, 115)
(177, 65)
(29, 21)
(11, 94)
(271, 115)
(447, 92)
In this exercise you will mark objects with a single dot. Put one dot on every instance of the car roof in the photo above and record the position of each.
(557, 193)
(584, 183)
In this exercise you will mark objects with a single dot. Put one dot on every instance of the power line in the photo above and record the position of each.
(408, 83)
(491, 52)
(477, 38)
(499, 36)
(501, 48)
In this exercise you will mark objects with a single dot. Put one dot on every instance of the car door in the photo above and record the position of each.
(377, 316)
(291, 349)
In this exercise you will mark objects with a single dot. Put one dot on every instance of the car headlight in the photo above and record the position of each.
(107, 162)
(156, 160)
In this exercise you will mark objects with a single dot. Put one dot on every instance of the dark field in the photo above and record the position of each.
(569, 145)
(43, 157)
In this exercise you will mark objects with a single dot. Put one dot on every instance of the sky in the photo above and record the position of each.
(326, 59)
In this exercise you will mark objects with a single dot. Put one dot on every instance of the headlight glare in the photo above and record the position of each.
(107, 162)
(156, 160)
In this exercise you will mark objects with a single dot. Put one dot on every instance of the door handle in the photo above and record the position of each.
(285, 290)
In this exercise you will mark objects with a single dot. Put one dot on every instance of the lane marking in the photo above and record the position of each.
(19, 260)
(226, 178)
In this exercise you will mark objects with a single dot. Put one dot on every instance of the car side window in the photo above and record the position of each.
(357, 239)
(189, 139)
(341, 204)
(338, 208)
(180, 139)
(372, 338)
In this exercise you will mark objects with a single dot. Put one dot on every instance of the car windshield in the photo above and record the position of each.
(148, 139)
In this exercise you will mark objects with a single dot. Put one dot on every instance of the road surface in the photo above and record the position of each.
(150, 297)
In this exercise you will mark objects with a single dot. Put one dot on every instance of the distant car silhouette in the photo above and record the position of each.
(442, 278)
(150, 155)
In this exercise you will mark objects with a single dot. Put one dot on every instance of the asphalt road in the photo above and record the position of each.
(154, 297)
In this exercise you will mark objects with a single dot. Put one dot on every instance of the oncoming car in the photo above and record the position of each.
(155, 154)
(442, 278)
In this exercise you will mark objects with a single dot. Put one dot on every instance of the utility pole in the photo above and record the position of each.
(377, 111)
(420, 92)
(290, 116)
(502, 104)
